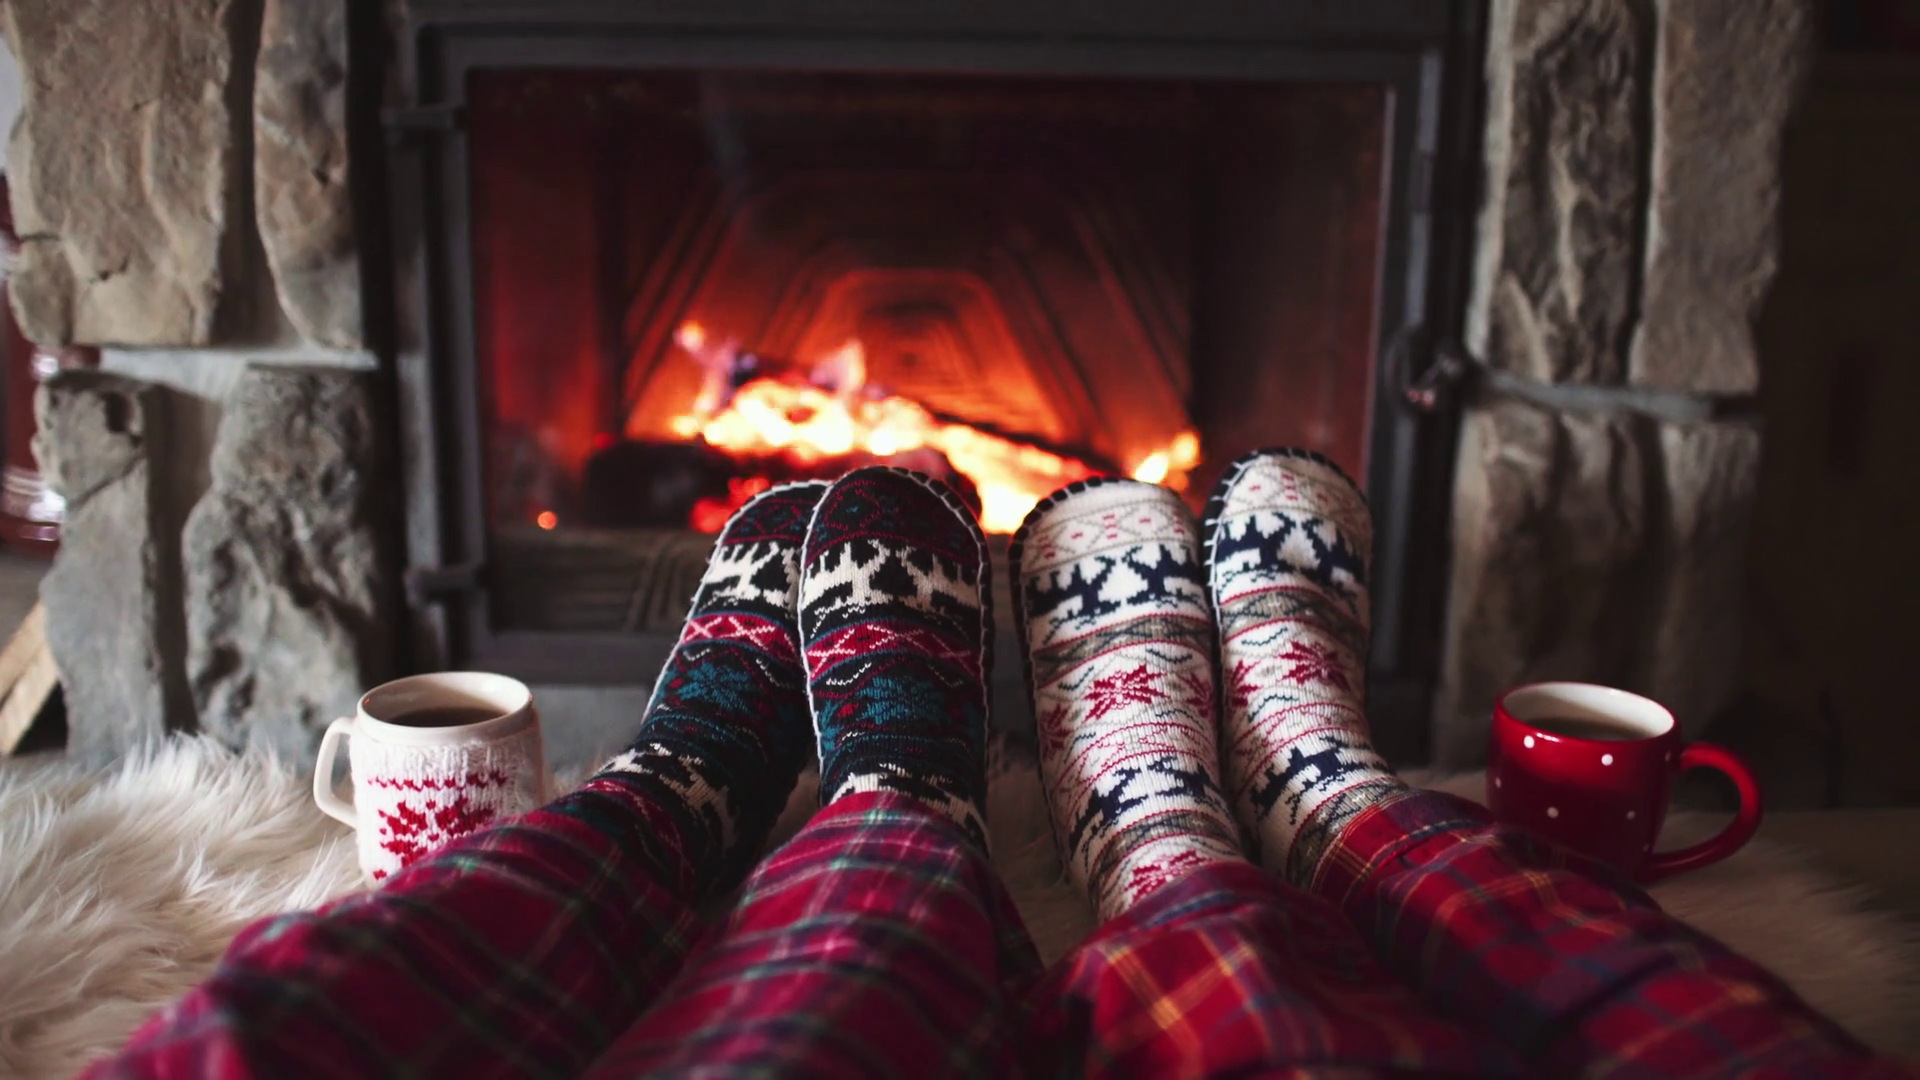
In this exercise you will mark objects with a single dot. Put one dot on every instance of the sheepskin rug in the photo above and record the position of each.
(120, 886)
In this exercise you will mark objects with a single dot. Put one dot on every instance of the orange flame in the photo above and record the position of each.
(1169, 466)
(834, 413)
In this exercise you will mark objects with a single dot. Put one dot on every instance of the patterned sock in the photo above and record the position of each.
(726, 733)
(895, 632)
(1288, 538)
(1113, 618)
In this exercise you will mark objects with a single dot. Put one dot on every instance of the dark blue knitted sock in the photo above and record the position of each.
(896, 637)
(726, 732)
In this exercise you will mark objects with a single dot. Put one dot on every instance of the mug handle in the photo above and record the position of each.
(1746, 821)
(329, 800)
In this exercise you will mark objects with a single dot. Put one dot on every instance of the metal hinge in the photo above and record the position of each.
(1446, 372)
(422, 121)
(433, 584)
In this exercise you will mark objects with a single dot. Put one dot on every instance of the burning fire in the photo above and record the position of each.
(832, 412)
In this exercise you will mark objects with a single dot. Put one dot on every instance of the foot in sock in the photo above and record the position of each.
(726, 732)
(895, 634)
(1112, 611)
(1288, 541)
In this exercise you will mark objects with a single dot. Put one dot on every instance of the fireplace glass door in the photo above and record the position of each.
(691, 285)
(654, 258)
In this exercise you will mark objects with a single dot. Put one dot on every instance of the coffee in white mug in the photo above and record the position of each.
(434, 758)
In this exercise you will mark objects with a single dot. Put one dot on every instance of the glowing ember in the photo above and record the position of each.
(711, 514)
(832, 412)
(1170, 466)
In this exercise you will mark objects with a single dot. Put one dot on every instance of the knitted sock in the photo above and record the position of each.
(1288, 538)
(895, 632)
(1113, 618)
(726, 734)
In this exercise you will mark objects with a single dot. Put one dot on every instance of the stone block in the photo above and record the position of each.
(1727, 77)
(300, 182)
(1550, 517)
(113, 592)
(289, 606)
(1605, 547)
(123, 167)
(1710, 475)
(1557, 258)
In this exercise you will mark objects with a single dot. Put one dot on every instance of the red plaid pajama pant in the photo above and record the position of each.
(880, 942)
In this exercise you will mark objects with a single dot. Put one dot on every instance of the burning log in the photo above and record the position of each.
(826, 417)
(757, 421)
(638, 485)
(648, 484)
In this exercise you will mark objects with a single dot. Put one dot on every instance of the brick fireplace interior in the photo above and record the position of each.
(437, 332)
(673, 271)
(690, 285)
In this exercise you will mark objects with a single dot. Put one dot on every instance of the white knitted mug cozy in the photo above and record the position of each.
(416, 788)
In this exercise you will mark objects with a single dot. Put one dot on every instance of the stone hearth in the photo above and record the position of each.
(231, 558)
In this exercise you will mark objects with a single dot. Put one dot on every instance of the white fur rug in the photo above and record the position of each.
(120, 887)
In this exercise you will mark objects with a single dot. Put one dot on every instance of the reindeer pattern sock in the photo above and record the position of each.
(1288, 539)
(896, 638)
(726, 731)
(1112, 611)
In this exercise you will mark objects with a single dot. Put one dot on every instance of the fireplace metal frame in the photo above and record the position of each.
(1425, 52)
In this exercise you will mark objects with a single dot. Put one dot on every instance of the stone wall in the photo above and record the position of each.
(113, 594)
(233, 571)
(286, 584)
(225, 125)
(1605, 476)
(1606, 479)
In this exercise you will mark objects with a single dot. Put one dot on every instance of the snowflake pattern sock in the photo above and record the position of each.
(895, 633)
(1112, 612)
(726, 732)
(1288, 539)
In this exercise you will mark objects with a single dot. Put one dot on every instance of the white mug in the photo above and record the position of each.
(433, 758)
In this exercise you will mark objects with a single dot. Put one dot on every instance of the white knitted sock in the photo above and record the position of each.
(1288, 541)
(1115, 625)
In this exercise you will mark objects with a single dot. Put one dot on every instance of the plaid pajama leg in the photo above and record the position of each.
(522, 950)
(1229, 972)
(878, 941)
(1565, 961)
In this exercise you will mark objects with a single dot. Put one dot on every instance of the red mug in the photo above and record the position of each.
(1592, 769)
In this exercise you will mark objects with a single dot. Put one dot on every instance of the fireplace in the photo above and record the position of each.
(671, 258)
(691, 284)
(423, 279)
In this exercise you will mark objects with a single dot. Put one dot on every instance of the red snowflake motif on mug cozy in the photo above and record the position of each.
(411, 832)
(1312, 662)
